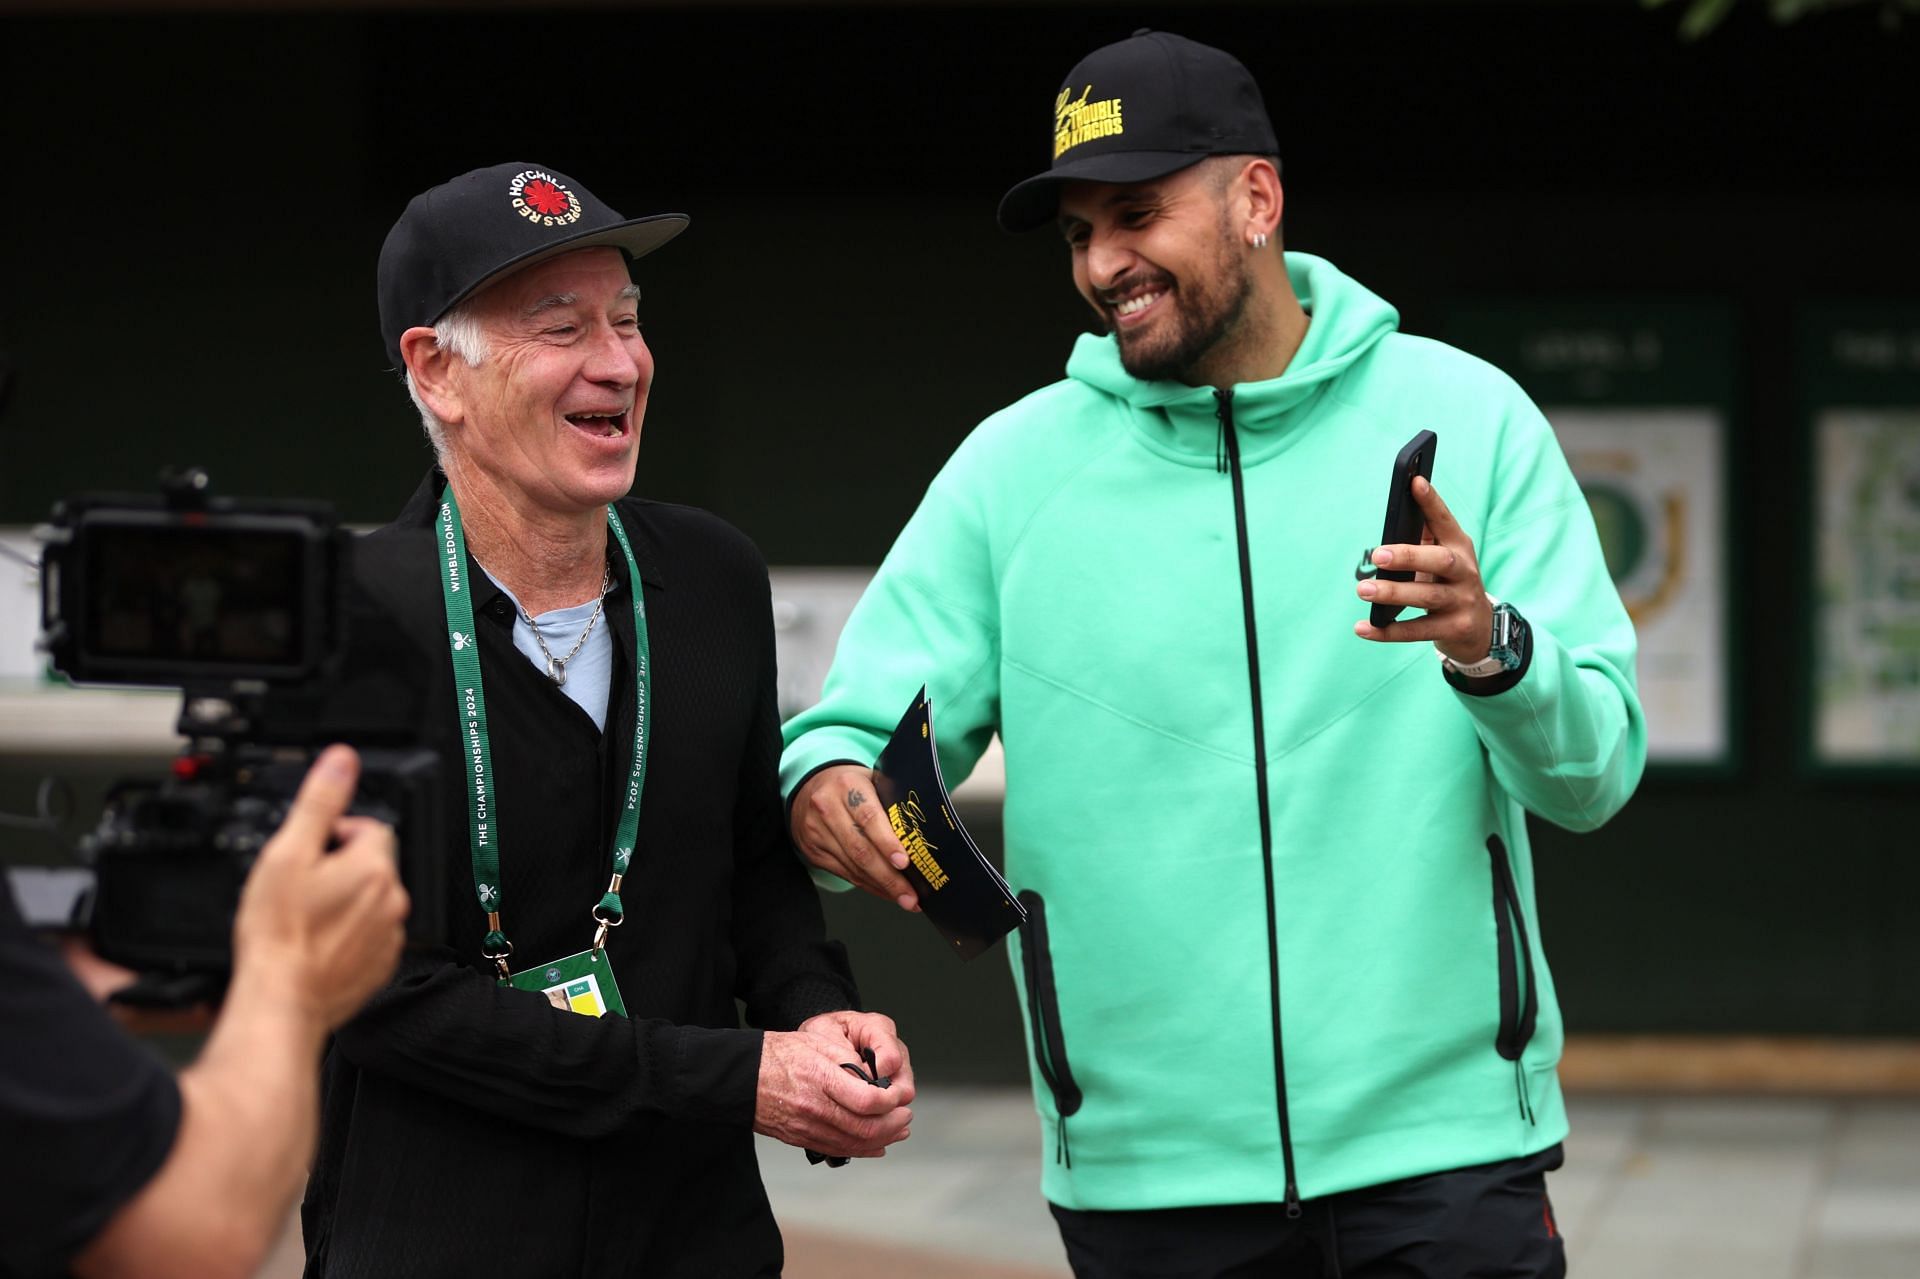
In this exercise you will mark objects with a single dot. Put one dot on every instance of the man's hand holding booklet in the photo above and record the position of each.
(961, 893)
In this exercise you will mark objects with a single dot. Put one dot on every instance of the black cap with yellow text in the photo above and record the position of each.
(1140, 109)
(462, 235)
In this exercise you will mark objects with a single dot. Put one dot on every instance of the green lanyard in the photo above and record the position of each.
(470, 708)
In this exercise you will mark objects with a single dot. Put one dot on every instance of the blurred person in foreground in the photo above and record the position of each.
(111, 1166)
(1285, 998)
(565, 1088)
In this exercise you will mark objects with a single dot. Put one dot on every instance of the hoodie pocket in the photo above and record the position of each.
(1043, 1014)
(1519, 1001)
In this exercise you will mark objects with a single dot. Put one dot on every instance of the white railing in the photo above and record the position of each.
(44, 717)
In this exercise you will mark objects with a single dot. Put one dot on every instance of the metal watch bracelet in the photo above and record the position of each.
(1503, 654)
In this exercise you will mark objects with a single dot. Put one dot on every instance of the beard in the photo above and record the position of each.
(1207, 312)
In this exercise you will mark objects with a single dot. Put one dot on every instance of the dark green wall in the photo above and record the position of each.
(194, 204)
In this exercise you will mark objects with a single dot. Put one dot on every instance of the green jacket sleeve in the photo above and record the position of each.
(1568, 740)
(930, 617)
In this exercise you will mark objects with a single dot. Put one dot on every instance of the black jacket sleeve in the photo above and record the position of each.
(451, 1029)
(788, 970)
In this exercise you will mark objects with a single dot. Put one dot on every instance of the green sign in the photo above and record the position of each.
(1860, 370)
(1640, 394)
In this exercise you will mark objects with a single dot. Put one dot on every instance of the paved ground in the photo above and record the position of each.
(1654, 1188)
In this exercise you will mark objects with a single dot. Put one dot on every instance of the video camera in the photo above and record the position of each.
(243, 606)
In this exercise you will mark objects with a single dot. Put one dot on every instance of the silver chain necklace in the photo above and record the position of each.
(557, 666)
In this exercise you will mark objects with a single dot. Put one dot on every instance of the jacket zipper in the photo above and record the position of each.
(1231, 439)
(1043, 1014)
(1518, 1010)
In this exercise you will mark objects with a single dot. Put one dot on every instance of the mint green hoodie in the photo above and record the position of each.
(1072, 580)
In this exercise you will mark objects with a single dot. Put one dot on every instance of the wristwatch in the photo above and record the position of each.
(1503, 654)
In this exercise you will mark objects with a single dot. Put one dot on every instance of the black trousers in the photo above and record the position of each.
(1488, 1222)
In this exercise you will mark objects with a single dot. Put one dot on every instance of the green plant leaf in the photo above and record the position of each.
(1704, 16)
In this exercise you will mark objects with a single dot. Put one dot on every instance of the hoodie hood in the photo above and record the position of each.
(1346, 321)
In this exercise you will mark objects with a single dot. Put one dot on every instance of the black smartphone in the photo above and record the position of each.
(1405, 521)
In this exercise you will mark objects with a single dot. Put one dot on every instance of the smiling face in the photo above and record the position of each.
(1159, 265)
(552, 414)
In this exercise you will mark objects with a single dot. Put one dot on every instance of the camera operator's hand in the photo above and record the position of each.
(326, 926)
(316, 933)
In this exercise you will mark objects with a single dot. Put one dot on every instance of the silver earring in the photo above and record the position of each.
(1259, 239)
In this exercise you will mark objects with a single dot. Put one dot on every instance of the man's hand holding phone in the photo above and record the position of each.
(1446, 584)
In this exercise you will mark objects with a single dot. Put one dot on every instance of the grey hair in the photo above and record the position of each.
(460, 332)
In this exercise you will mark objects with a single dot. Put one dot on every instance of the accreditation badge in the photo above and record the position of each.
(581, 983)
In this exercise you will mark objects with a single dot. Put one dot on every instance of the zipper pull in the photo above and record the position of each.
(1223, 414)
(1293, 1201)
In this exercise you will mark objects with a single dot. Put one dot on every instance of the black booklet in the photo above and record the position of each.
(961, 893)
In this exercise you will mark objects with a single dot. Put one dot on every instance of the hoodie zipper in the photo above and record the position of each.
(1043, 1010)
(1518, 1011)
(1231, 439)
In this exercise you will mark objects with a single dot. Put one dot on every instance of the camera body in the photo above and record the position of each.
(170, 858)
(243, 606)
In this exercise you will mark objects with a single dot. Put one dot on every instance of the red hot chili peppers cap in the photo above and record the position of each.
(1145, 107)
(462, 235)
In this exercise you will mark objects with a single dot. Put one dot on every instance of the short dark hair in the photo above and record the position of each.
(1222, 169)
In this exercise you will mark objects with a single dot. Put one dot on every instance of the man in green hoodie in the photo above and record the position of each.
(1285, 1000)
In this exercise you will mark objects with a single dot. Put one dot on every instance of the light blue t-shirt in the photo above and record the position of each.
(590, 673)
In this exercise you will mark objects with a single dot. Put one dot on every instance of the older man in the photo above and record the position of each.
(565, 1090)
(1286, 1009)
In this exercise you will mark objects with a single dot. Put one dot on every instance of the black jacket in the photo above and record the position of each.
(87, 1115)
(469, 1129)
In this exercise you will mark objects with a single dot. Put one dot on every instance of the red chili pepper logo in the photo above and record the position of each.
(546, 197)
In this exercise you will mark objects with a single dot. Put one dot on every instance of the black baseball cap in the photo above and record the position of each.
(1145, 107)
(462, 235)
